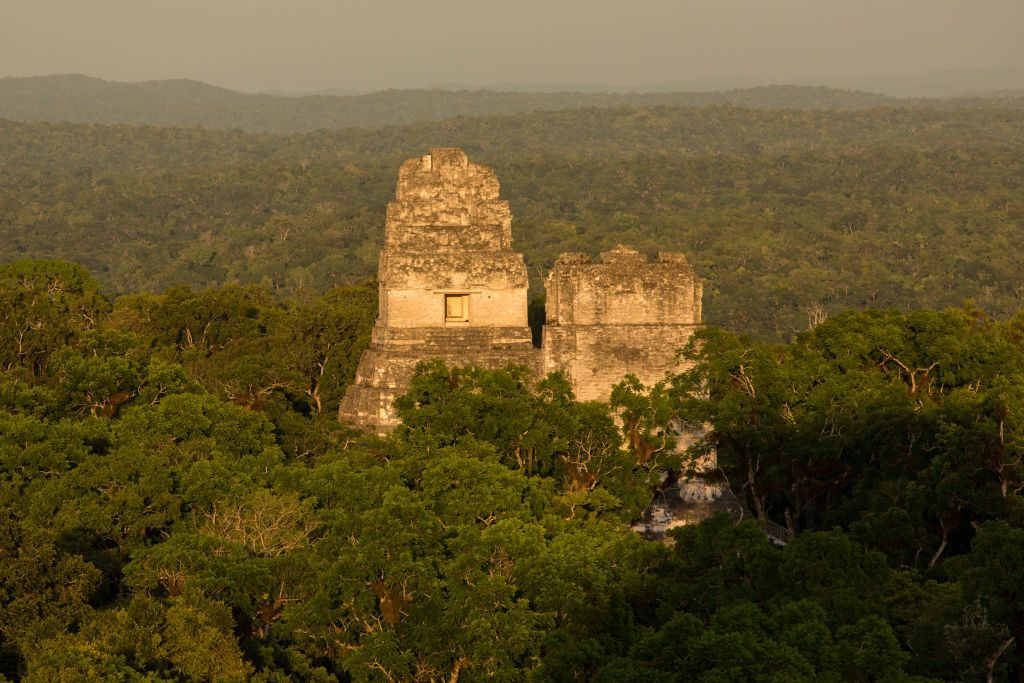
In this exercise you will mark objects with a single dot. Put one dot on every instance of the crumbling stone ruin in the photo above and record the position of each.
(619, 316)
(451, 287)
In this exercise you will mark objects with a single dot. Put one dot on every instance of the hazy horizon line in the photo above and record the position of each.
(699, 84)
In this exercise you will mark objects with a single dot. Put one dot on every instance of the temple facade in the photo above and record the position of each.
(451, 287)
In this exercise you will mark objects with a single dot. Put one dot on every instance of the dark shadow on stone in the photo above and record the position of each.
(535, 318)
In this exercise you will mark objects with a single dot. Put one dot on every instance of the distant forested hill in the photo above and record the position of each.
(784, 213)
(82, 99)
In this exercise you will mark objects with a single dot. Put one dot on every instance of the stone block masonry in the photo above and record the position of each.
(451, 287)
(622, 315)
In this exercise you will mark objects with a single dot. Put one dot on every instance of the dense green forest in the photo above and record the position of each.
(81, 99)
(785, 214)
(182, 308)
(177, 501)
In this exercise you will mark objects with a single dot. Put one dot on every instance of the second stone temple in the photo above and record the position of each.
(451, 287)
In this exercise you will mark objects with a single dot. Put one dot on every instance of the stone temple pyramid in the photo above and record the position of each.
(451, 287)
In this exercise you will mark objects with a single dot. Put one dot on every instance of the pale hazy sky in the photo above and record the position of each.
(364, 44)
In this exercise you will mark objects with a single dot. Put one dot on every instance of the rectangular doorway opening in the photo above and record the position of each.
(456, 308)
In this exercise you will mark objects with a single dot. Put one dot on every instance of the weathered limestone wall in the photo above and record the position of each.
(618, 316)
(448, 234)
(423, 307)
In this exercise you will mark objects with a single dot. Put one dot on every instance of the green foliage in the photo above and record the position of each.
(787, 216)
(878, 419)
(241, 344)
(44, 591)
(178, 503)
(43, 305)
(540, 431)
(903, 429)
